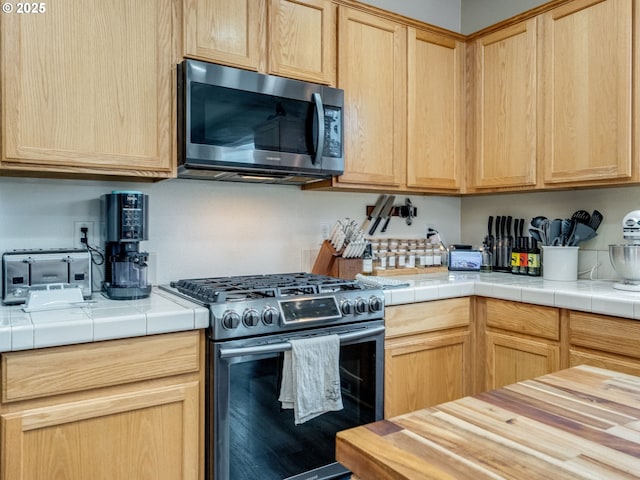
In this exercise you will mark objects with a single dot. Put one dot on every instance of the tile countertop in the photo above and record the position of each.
(162, 312)
(102, 319)
(596, 296)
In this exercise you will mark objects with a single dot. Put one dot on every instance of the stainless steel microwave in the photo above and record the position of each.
(237, 125)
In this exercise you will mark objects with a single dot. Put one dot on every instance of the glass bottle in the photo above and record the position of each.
(533, 259)
(367, 260)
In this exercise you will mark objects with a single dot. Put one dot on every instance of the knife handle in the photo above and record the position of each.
(386, 224)
(374, 226)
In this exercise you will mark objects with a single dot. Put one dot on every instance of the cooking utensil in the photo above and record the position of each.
(581, 216)
(555, 230)
(582, 233)
(497, 254)
(535, 234)
(489, 239)
(567, 231)
(537, 221)
(374, 213)
(596, 219)
(386, 213)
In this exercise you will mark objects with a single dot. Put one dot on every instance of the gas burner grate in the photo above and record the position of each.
(238, 288)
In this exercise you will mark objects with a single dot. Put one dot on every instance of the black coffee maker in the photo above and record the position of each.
(126, 217)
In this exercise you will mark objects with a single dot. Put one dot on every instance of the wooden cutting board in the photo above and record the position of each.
(579, 423)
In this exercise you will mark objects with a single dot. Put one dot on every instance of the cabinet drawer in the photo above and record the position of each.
(577, 357)
(427, 316)
(57, 370)
(608, 334)
(529, 319)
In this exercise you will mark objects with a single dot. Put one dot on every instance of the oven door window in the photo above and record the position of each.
(244, 120)
(264, 441)
(225, 117)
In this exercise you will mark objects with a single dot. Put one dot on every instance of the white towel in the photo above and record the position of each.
(311, 377)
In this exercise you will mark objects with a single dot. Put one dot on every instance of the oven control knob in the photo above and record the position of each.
(251, 317)
(230, 320)
(346, 306)
(361, 305)
(375, 304)
(270, 316)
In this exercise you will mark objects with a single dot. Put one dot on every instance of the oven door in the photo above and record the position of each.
(251, 437)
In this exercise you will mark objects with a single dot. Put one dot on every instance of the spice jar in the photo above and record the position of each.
(381, 261)
(411, 258)
(401, 260)
(429, 256)
(391, 259)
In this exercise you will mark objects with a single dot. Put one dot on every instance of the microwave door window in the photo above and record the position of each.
(241, 120)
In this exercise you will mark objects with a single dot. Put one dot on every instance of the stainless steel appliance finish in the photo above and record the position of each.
(253, 320)
(237, 125)
(23, 270)
(125, 214)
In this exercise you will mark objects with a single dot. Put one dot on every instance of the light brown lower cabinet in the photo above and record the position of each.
(512, 359)
(603, 341)
(521, 341)
(118, 410)
(428, 354)
(442, 350)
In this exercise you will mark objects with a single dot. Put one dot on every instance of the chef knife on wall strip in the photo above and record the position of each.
(374, 213)
(386, 214)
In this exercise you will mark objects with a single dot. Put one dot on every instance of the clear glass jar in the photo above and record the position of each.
(411, 258)
(381, 261)
(401, 261)
(437, 257)
(391, 259)
(429, 256)
(421, 258)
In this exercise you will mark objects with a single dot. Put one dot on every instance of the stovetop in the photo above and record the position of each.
(248, 287)
(254, 305)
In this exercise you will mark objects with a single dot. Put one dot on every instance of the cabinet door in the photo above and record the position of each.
(504, 106)
(587, 72)
(512, 359)
(421, 371)
(435, 89)
(88, 87)
(372, 72)
(146, 435)
(302, 40)
(604, 360)
(231, 32)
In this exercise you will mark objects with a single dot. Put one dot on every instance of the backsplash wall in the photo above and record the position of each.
(613, 203)
(200, 228)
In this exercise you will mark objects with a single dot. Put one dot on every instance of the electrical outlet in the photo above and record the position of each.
(324, 231)
(77, 233)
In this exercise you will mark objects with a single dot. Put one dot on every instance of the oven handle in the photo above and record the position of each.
(284, 346)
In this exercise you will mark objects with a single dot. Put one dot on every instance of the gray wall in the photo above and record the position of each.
(443, 13)
(478, 14)
(463, 16)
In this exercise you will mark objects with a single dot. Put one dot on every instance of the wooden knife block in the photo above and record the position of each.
(329, 262)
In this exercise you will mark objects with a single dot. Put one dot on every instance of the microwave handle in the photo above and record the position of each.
(319, 110)
(284, 346)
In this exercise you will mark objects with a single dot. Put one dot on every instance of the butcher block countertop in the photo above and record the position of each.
(579, 423)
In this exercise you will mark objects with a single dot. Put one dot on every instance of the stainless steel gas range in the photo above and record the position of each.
(253, 319)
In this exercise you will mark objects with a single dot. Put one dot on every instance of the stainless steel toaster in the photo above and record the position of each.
(23, 270)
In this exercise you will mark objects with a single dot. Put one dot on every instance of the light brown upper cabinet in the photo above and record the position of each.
(503, 116)
(231, 32)
(372, 68)
(88, 88)
(291, 38)
(302, 40)
(435, 129)
(588, 81)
